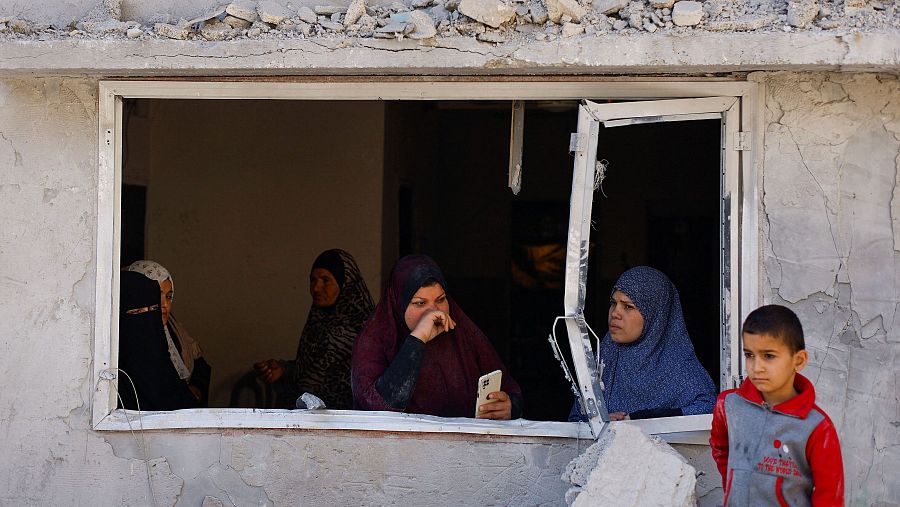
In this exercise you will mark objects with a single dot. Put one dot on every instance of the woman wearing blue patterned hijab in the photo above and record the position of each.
(650, 369)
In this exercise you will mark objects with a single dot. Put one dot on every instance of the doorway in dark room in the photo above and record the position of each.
(503, 254)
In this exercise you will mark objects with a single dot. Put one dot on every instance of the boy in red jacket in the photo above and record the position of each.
(773, 445)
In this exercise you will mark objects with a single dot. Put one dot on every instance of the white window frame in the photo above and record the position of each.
(744, 245)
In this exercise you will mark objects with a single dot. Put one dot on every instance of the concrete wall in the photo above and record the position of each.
(832, 253)
(829, 180)
(239, 208)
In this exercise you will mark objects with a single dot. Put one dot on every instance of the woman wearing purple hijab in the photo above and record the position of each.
(420, 353)
(650, 369)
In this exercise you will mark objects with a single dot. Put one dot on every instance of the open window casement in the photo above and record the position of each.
(586, 148)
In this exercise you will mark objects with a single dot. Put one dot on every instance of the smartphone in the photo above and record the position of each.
(487, 384)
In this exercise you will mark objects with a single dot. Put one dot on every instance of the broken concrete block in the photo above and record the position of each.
(105, 27)
(854, 7)
(662, 4)
(327, 10)
(492, 36)
(572, 29)
(355, 11)
(423, 25)
(172, 31)
(539, 14)
(20, 26)
(212, 501)
(134, 33)
(490, 12)
(236, 22)
(272, 12)
(742, 23)
(439, 13)
(420, 4)
(395, 28)
(106, 9)
(650, 27)
(244, 9)
(687, 13)
(628, 468)
(620, 24)
(215, 31)
(801, 13)
(307, 15)
(556, 9)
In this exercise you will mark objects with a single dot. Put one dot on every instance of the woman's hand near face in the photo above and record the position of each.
(499, 410)
(269, 370)
(431, 324)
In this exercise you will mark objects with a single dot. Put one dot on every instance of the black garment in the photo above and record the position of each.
(201, 373)
(143, 352)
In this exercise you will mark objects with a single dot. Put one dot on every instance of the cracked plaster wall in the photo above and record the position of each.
(829, 230)
(48, 199)
(832, 253)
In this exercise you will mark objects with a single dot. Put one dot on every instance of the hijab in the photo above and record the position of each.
(660, 369)
(326, 342)
(453, 360)
(190, 349)
(142, 350)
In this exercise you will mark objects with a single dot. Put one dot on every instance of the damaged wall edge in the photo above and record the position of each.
(735, 52)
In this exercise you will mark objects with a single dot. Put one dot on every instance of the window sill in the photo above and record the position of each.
(684, 429)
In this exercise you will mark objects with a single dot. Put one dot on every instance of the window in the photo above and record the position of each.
(741, 212)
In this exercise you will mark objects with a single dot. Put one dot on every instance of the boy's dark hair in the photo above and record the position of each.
(777, 321)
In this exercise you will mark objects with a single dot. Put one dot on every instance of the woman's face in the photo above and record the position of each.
(625, 321)
(323, 288)
(166, 295)
(431, 297)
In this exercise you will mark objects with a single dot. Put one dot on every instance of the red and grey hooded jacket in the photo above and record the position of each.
(788, 454)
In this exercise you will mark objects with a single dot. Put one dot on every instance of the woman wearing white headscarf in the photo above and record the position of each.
(184, 351)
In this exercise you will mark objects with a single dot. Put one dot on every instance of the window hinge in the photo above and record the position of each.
(742, 141)
(577, 143)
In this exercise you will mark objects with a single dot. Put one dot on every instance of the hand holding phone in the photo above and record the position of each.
(487, 384)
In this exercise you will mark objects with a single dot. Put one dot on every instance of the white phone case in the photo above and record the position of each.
(487, 384)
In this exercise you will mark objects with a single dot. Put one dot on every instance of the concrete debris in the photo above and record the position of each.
(662, 4)
(438, 13)
(608, 7)
(714, 8)
(215, 31)
(420, 4)
(650, 26)
(801, 13)
(855, 7)
(307, 15)
(396, 29)
(327, 10)
(134, 33)
(619, 25)
(272, 12)
(355, 11)
(490, 12)
(628, 468)
(172, 31)
(236, 22)
(492, 36)
(687, 13)
(19, 26)
(106, 9)
(556, 9)
(107, 27)
(741, 24)
(572, 29)
(244, 9)
(423, 25)
(539, 14)
(310, 401)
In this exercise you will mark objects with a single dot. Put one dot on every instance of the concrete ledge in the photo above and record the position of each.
(635, 54)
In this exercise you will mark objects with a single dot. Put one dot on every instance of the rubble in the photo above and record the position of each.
(556, 9)
(687, 13)
(424, 25)
(271, 12)
(801, 13)
(490, 12)
(625, 467)
(490, 21)
(243, 9)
